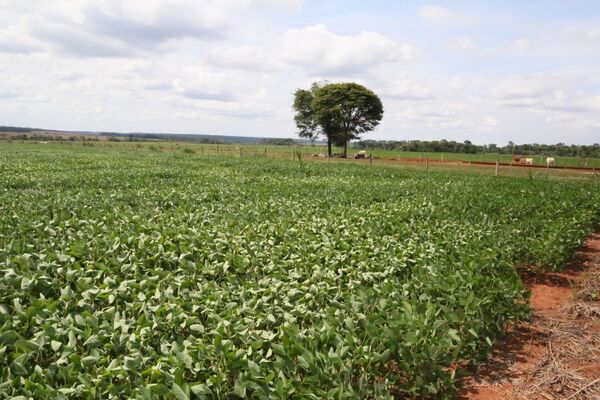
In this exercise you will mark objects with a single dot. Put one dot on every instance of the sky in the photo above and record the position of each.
(484, 71)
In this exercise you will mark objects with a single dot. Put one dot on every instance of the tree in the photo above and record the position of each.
(339, 111)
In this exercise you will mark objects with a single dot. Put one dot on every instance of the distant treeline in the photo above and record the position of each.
(160, 137)
(17, 129)
(280, 142)
(451, 146)
(35, 137)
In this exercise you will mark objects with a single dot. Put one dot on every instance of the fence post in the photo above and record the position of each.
(241, 151)
(293, 156)
(427, 164)
(371, 160)
(497, 167)
(265, 152)
(442, 157)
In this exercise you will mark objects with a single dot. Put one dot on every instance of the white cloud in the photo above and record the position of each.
(146, 23)
(196, 82)
(580, 34)
(319, 50)
(522, 45)
(245, 57)
(8, 94)
(115, 28)
(295, 5)
(14, 41)
(409, 88)
(316, 50)
(490, 122)
(528, 86)
(69, 39)
(461, 44)
(440, 14)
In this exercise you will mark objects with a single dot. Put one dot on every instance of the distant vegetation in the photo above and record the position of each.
(167, 137)
(439, 146)
(279, 142)
(16, 129)
(450, 146)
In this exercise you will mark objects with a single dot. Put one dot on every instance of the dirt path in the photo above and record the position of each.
(556, 355)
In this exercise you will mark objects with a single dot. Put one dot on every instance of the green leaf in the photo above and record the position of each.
(89, 360)
(179, 393)
(55, 345)
(254, 368)
(159, 388)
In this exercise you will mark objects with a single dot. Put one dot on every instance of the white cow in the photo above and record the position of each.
(550, 161)
(527, 161)
(361, 154)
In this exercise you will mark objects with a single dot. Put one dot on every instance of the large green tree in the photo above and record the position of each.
(339, 111)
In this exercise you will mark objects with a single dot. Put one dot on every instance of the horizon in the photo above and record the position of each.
(320, 140)
(456, 71)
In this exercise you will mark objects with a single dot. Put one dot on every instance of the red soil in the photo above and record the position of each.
(514, 356)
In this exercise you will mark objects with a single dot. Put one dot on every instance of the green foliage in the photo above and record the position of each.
(278, 142)
(340, 111)
(128, 276)
(450, 146)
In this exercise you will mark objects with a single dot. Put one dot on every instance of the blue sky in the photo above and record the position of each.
(484, 71)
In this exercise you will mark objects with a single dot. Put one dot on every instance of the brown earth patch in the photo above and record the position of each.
(555, 355)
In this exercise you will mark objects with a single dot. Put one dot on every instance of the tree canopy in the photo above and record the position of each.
(339, 111)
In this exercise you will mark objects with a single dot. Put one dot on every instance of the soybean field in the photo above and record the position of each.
(147, 275)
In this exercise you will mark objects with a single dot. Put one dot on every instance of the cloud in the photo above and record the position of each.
(440, 14)
(157, 84)
(461, 44)
(69, 75)
(490, 122)
(320, 51)
(71, 40)
(121, 28)
(295, 5)
(408, 88)
(8, 94)
(148, 24)
(199, 84)
(245, 57)
(580, 34)
(316, 50)
(554, 97)
(528, 86)
(522, 45)
(13, 41)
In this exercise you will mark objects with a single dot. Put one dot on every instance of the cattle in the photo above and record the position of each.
(361, 154)
(550, 161)
(527, 161)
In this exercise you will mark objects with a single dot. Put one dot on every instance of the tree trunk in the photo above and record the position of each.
(329, 146)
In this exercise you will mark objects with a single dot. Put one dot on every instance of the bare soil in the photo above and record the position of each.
(555, 355)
